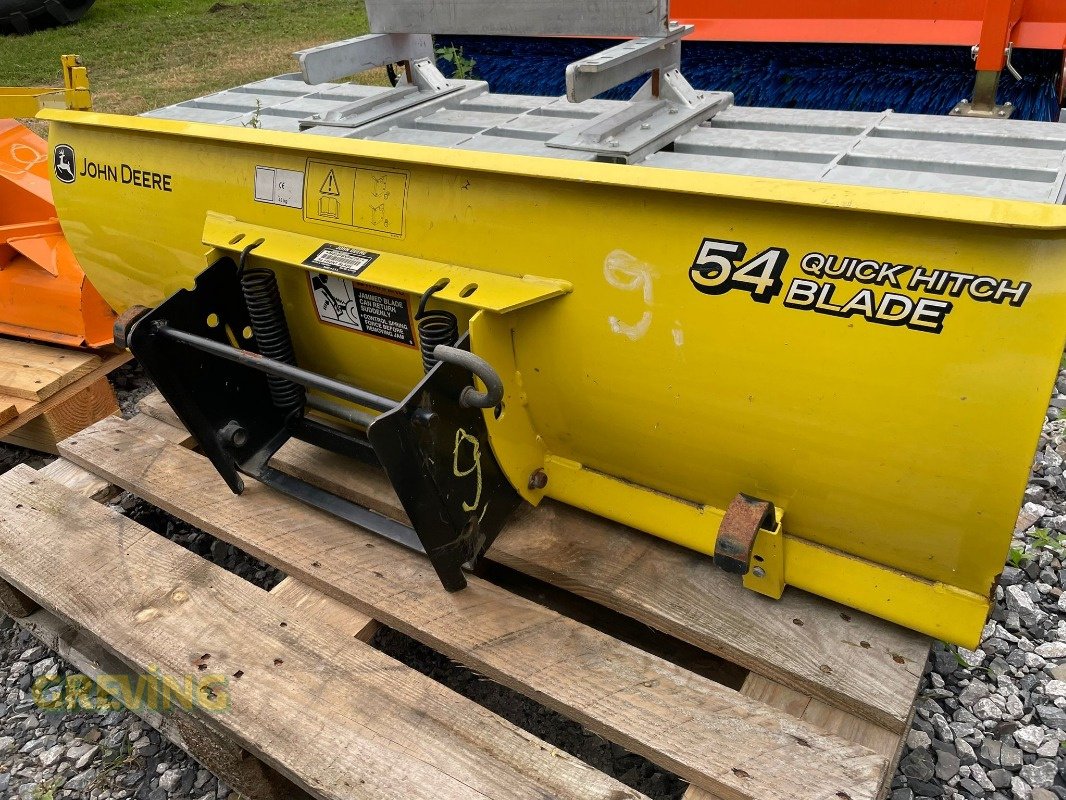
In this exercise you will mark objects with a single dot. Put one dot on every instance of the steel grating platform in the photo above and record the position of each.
(1016, 160)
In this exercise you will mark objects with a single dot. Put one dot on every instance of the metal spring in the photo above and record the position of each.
(435, 327)
(261, 295)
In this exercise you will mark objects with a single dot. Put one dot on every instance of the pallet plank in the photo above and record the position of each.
(84, 407)
(36, 371)
(708, 734)
(87, 408)
(78, 480)
(248, 775)
(321, 607)
(14, 603)
(834, 720)
(380, 729)
(843, 657)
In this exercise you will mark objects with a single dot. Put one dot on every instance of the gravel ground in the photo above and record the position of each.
(990, 723)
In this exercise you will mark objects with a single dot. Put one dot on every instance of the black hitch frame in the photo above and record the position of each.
(433, 444)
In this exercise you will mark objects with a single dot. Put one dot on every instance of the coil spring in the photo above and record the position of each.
(435, 327)
(267, 316)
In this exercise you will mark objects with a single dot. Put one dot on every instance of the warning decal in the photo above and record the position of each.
(349, 305)
(338, 258)
(353, 196)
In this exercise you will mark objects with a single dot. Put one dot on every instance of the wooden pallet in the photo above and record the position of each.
(48, 393)
(811, 700)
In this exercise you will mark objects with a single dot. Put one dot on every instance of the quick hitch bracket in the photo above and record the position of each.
(200, 347)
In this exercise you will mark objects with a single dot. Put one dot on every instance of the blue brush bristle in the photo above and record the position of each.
(907, 79)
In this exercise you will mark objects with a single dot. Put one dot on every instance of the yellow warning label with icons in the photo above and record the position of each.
(356, 197)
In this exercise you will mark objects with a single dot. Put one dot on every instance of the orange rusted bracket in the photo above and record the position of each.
(44, 293)
(743, 520)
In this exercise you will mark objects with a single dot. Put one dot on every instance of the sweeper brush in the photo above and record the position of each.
(913, 56)
(861, 77)
(814, 345)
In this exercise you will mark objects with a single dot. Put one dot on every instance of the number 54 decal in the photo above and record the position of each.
(719, 266)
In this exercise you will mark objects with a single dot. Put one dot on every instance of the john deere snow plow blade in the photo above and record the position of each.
(816, 346)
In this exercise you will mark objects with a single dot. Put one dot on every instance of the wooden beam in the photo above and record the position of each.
(245, 773)
(36, 371)
(706, 733)
(14, 603)
(338, 718)
(313, 604)
(84, 407)
(79, 480)
(834, 720)
(30, 409)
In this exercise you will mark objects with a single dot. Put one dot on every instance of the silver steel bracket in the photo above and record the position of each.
(339, 60)
(663, 109)
(984, 99)
(421, 80)
(985, 88)
(598, 73)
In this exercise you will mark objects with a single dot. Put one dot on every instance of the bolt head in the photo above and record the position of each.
(424, 418)
(538, 479)
(759, 572)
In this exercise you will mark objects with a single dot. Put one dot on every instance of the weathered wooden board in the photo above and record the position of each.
(248, 775)
(520, 17)
(324, 609)
(845, 659)
(65, 416)
(36, 371)
(831, 719)
(848, 659)
(39, 424)
(337, 717)
(78, 480)
(707, 733)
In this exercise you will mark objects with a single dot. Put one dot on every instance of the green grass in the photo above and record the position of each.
(143, 54)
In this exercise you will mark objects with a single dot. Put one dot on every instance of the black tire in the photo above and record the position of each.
(27, 16)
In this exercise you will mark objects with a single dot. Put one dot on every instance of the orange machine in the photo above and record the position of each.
(993, 28)
(44, 293)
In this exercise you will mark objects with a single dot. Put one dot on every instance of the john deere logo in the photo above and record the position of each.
(63, 163)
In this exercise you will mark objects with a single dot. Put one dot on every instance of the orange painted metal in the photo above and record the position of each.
(1001, 16)
(44, 293)
(1040, 24)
